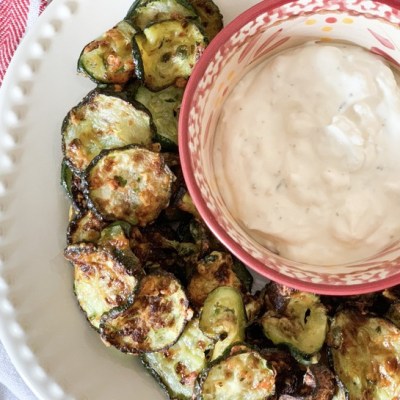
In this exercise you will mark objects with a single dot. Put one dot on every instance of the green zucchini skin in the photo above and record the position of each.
(210, 17)
(104, 119)
(243, 375)
(365, 351)
(131, 184)
(101, 281)
(153, 321)
(223, 316)
(177, 368)
(301, 323)
(72, 184)
(108, 59)
(164, 107)
(153, 11)
(166, 52)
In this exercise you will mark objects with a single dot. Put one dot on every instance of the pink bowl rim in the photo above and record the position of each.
(208, 217)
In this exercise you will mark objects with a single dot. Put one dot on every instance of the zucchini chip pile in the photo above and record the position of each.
(152, 280)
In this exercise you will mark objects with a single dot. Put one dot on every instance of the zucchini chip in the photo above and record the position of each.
(177, 368)
(301, 324)
(366, 355)
(101, 281)
(108, 59)
(245, 375)
(153, 11)
(103, 120)
(85, 227)
(153, 321)
(166, 52)
(164, 107)
(212, 271)
(130, 184)
(223, 318)
(210, 17)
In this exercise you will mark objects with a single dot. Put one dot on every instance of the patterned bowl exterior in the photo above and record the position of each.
(261, 31)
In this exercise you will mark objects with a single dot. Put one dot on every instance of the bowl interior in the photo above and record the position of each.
(261, 32)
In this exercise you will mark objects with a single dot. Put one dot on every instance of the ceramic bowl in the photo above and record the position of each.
(260, 32)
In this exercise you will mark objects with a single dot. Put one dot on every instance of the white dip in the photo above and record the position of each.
(307, 154)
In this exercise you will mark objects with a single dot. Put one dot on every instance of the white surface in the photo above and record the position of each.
(41, 327)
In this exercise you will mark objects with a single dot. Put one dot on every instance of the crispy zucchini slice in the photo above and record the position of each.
(85, 227)
(103, 120)
(167, 52)
(101, 281)
(164, 107)
(130, 184)
(366, 355)
(243, 375)
(223, 318)
(301, 324)
(210, 17)
(212, 271)
(153, 321)
(73, 187)
(153, 11)
(177, 368)
(108, 59)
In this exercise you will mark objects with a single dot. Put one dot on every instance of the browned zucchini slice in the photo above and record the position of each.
(153, 11)
(130, 184)
(301, 324)
(72, 185)
(108, 59)
(243, 375)
(101, 281)
(178, 367)
(210, 17)
(153, 321)
(366, 355)
(167, 52)
(85, 227)
(223, 318)
(103, 120)
(212, 271)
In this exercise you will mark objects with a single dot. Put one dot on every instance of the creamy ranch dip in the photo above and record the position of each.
(307, 154)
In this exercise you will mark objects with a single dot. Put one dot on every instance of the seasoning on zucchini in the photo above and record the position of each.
(210, 17)
(302, 324)
(166, 52)
(108, 59)
(85, 227)
(223, 318)
(101, 281)
(103, 120)
(178, 367)
(164, 107)
(153, 321)
(130, 184)
(244, 375)
(212, 271)
(366, 355)
(153, 11)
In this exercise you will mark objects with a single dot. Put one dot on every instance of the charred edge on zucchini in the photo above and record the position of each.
(73, 187)
(210, 17)
(103, 120)
(130, 184)
(301, 325)
(153, 321)
(178, 367)
(244, 375)
(223, 318)
(167, 51)
(108, 59)
(85, 227)
(365, 352)
(101, 281)
(154, 11)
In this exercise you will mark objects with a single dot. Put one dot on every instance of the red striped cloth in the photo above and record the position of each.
(16, 17)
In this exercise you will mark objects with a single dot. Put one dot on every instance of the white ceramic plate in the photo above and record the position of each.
(45, 334)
